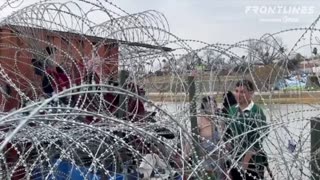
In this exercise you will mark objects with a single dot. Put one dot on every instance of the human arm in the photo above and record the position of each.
(247, 158)
(203, 122)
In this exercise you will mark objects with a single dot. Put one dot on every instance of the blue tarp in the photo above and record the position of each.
(66, 170)
(292, 82)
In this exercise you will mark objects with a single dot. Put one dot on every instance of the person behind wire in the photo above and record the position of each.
(209, 133)
(248, 128)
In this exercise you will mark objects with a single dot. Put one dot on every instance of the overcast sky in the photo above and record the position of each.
(229, 21)
(226, 21)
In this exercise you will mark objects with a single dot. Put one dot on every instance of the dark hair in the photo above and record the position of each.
(229, 100)
(246, 83)
(204, 101)
(37, 66)
(209, 105)
(59, 70)
(49, 50)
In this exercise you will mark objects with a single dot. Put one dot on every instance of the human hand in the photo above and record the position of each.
(244, 165)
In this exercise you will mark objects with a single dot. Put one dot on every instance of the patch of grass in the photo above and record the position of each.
(277, 98)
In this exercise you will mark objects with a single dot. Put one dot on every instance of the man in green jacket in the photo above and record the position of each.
(247, 127)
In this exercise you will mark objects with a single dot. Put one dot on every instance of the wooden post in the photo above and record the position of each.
(193, 114)
(315, 148)
(121, 113)
(123, 78)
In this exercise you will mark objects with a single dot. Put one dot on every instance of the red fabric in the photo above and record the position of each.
(136, 109)
(90, 120)
(83, 74)
(80, 71)
(112, 106)
(113, 101)
(63, 81)
(12, 158)
(53, 77)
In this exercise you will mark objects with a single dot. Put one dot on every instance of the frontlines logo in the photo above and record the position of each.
(278, 13)
(280, 10)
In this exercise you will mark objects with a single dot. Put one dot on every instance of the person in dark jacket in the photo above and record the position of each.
(229, 100)
(49, 82)
(50, 76)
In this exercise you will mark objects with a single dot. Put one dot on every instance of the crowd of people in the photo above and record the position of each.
(55, 79)
(236, 130)
(231, 137)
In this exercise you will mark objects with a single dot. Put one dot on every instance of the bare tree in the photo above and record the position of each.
(187, 62)
(293, 63)
(213, 60)
(267, 51)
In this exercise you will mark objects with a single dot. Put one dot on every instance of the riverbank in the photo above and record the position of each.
(276, 97)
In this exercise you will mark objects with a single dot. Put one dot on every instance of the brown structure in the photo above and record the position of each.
(19, 45)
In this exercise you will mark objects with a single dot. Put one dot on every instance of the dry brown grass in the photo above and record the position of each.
(203, 77)
(278, 98)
